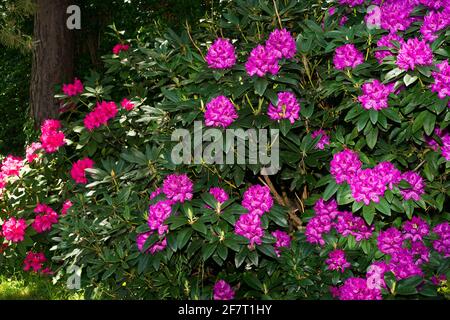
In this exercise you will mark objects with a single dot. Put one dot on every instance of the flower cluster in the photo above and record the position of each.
(127, 104)
(386, 41)
(73, 89)
(336, 260)
(45, 218)
(441, 77)
(11, 166)
(221, 54)
(347, 56)
(178, 187)
(445, 138)
(264, 58)
(327, 216)
(220, 112)
(118, 48)
(100, 115)
(219, 194)
(223, 291)
(396, 15)
(78, 172)
(249, 226)
(14, 229)
(413, 53)
(154, 248)
(34, 261)
(283, 240)
(375, 95)
(323, 140)
(66, 207)
(52, 138)
(433, 22)
(30, 151)
(417, 186)
(357, 289)
(287, 107)
(442, 245)
(345, 165)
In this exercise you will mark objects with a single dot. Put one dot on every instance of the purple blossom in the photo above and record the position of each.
(156, 247)
(220, 112)
(390, 241)
(415, 229)
(324, 138)
(219, 194)
(326, 208)
(316, 228)
(417, 186)
(375, 95)
(348, 224)
(435, 4)
(178, 187)
(345, 165)
(395, 15)
(336, 260)
(403, 266)
(389, 175)
(157, 214)
(434, 22)
(283, 240)
(347, 56)
(352, 3)
(223, 291)
(281, 44)
(257, 199)
(287, 107)
(414, 52)
(441, 77)
(221, 54)
(375, 275)
(367, 185)
(262, 61)
(357, 289)
(249, 226)
(442, 245)
(387, 41)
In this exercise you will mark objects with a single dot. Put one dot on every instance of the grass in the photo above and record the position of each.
(34, 287)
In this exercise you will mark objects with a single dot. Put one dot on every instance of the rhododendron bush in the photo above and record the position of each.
(357, 210)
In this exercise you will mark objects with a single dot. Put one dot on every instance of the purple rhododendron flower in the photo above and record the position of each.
(389, 175)
(283, 240)
(442, 245)
(367, 185)
(281, 44)
(257, 199)
(414, 52)
(441, 77)
(352, 3)
(178, 187)
(347, 56)
(219, 194)
(336, 260)
(396, 15)
(434, 22)
(287, 107)
(417, 186)
(375, 95)
(221, 54)
(345, 165)
(220, 112)
(262, 61)
(223, 291)
(415, 229)
(357, 289)
(249, 226)
(324, 138)
(390, 241)
(387, 41)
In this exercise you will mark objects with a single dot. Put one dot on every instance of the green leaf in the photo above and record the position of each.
(208, 250)
(330, 190)
(260, 86)
(369, 213)
(372, 138)
(409, 80)
(384, 207)
(268, 250)
(200, 227)
(252, 280)
(183, 237)
(429, 123)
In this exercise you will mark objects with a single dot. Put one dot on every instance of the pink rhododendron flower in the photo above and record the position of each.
(389, 175)
(3, 181)
(31, 150)
(415, 229)
(100, 115)
(375, 275)
(11, 165)
(367, 185)
(324, 138)
(348, 224)
(326, 208)
(357, 289)
(219, 194)
(417, 186)
(118, 48)
(441, 77)
(73, 89)
(283, 240)
(221, 54)
(387, 41)
(52, 138)
(347, 56)
(375, 95)
(156, 247)
(435, 4)
(433, 23)
(442, 245)
(336, 260)
(66, 206)
(178, 187)
(45, 218)
(316, 228)
(127, 104)
(414, 52)
(262, 61)
(390, 241)
(345, 165)
(287, 107)
(257, 199)
(78, 172)
(419, 251)
(34, 261)
(155, 193)
(282, 44)
(403, 266)
(14, 229)
(249, 226)
(395, 15)
(220, 112)
(446, 147)
(438, 279)
(223, 291)
(157, 214)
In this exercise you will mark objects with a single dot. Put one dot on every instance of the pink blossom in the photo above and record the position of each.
(375, 95)
(11, 165)
(317, 227)
(287, 107)
(388, 42)
(347, 56)
(155, 193)
(390, 241)
(442, 244)
(326, 208)
(257, 199)
(352, 3)
(66, 206)
(357, 289)
(154, 248)
(249, 226)
(345, 165)
(403, 266)
(223, 291)
(78, 172)
(324, 138)
(127, 104)
(100, 115)
(178, 187)
(417, 186)
(348, 224)
(45, 218)
(395, 15)
(34, 261)
(441, 78)
(389, 175)
(434, 22)
(413, 53)
(336, 260)
(219, 194)
(221, 54)
(14, 229)
(220, 112)
(415, 229)
(367, 185)
(157, 214)
(283, 240)
(118, 48)
(52, 138)
(375, 275)
(73, 89)
(31, 150)
(282, 44)
(262, 61)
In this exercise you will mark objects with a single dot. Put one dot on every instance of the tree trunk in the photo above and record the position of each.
(52, 57)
